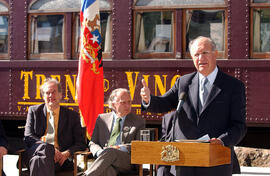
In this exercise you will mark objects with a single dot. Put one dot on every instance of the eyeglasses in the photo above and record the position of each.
(204, 53)
(124, 102)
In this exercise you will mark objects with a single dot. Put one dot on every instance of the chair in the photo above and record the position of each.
(85, 154)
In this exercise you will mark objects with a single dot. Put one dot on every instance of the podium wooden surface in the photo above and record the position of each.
(190, 153)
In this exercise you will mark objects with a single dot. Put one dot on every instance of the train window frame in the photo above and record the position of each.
(5, 56)
(156, 55)
(256, 54)
(253, 3)
(174, 8)
(75, 54)
(221, 54)
(47, 56)
(5, 12)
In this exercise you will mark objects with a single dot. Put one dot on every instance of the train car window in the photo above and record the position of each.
(106, 44)
(156, 27)
(55, 4)
(261, 1)
(177, 2)
(154, 33)
(3, 32)
(262, 30)
(63, 5)
(47, 36)
(261, 33)
(210, 23)
(48, 24)
(3, 8)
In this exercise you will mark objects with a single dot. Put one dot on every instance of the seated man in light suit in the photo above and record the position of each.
(52, 133)
(111, 139)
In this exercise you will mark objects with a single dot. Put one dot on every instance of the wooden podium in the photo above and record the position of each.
(187, 153)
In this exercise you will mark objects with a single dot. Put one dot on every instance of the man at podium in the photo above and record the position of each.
(208, 102)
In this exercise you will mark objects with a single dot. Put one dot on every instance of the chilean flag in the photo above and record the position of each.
(90, 91)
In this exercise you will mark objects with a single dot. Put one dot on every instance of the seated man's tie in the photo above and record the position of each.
(116, 132)
(50, 131)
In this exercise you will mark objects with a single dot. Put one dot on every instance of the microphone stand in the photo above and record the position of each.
(176, 114)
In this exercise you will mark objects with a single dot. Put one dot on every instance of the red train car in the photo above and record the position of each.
(141, 39)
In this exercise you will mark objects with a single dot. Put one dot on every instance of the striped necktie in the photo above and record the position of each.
(204, 90)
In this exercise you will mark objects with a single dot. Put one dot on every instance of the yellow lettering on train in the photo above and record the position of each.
(107, 110)
(159, 85)
(106, 85)
(145, 77)
(138, 111)
(26, 75)
(131, 83)
(174, 79)
(70, 85)
(57, 77)
(148, 113)
(19, 108)
(39, 81)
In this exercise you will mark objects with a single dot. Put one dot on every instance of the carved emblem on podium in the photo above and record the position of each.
(169, 153)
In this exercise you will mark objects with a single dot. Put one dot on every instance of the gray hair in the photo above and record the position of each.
(213, 44)
(50, 80)
(112, 96)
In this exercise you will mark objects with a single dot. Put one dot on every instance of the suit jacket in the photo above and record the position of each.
(223, 115)
(70, 133)
(101, 134)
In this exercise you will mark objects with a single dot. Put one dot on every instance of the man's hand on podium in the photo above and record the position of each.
(216, 141)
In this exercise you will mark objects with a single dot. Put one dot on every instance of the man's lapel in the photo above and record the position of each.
(44, 119)
(61, 121)
(109, 120)
(194, 92)
(126, 128)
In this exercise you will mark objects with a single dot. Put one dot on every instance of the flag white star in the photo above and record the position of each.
(94, 39)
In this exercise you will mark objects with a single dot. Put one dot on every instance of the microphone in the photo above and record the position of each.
(182, 99)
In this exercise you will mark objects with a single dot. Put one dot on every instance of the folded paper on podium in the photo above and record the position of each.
(186, 153)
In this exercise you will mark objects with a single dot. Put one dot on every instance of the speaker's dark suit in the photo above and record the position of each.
(111, 160)
(223, 115)
(40, 155)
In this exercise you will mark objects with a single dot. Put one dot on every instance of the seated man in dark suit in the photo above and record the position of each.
(3, 144)
(52, 133)
(112, 136)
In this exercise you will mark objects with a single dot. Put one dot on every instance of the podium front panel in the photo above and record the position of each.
(179, 153)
